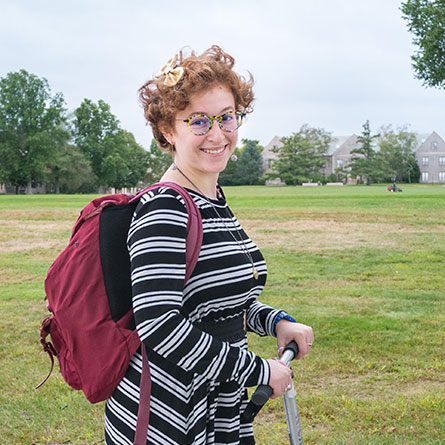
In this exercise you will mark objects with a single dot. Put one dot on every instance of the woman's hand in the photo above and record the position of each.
(287, 331)
(280, 378)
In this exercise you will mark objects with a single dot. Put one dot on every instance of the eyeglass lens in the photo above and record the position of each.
(200, 124)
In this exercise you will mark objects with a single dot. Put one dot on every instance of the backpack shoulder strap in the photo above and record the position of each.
(194, 225)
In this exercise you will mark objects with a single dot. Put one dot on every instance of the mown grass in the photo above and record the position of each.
(364, 267)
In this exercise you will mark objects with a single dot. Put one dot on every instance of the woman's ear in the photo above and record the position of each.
(168, 133)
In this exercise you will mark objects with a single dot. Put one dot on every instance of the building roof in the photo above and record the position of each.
(338, 142)
(426, 145)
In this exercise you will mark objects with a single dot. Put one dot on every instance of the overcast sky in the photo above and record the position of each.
(328, 63)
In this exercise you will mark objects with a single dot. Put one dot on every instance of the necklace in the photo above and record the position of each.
(240, 241)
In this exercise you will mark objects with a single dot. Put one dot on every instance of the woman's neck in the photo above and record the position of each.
(203, 184)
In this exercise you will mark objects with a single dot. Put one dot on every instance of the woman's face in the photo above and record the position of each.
(207, 154)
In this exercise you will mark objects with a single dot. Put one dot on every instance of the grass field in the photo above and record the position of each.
(364, 267)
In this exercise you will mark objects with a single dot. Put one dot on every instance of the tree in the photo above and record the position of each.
(249, 167)
(398, 148)
(70, 172)
(117, 160)
(158, 163)
(136, 159)
(94, 128)
(230, 174)
(300, 158)
(366, 162)
(426, 21)
(126, 163)
(340, 174)
(31, 121)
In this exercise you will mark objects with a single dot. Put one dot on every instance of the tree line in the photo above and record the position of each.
(82, 151)
(41, 143)
(382, 157)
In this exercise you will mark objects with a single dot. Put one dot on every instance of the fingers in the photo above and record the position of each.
(280, 378)
(304, 347)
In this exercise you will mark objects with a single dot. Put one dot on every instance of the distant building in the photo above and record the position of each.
(430, 156)
(269, 156)
(337, 158)
(339, 154)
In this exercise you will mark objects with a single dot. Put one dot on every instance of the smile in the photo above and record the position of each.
(213, 151)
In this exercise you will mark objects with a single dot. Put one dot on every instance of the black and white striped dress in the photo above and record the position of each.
(197, 348)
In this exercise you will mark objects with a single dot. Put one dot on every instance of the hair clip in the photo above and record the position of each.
(172, 75)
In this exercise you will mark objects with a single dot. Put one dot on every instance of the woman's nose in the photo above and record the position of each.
(216, 133)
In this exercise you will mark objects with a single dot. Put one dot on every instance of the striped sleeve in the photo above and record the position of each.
(261, 318)
(156, 243)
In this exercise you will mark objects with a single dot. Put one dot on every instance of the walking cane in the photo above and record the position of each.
(263, 392)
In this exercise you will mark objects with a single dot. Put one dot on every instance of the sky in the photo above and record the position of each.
(331, 64)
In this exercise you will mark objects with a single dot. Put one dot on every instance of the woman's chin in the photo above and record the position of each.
(216, 166)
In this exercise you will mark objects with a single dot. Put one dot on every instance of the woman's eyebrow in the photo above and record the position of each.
(224, 110)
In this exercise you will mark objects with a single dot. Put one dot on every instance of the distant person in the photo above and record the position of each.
(394, 188)
(196, 335)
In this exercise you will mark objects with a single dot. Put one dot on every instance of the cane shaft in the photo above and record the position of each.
(290, 401)
(292, 418)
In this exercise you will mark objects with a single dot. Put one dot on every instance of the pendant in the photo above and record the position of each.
(255, 272)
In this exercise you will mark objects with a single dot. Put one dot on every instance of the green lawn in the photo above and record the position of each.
(363, 266)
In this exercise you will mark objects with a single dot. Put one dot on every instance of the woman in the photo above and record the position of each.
(195, 334)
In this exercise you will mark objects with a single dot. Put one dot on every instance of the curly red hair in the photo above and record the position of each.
(212, 67)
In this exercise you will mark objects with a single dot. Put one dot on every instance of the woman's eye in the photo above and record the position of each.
(199, 122)
(228, 117)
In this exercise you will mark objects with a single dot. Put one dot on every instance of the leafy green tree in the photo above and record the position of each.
(136, 160)
(230, 176)
(94, 130)
(398, 148)
(31, 127)
(339, 175)
(158, 162)
(366, 162)
(126, 163)
(70, 172)
(300, 158)
(426, 21)
(117, 160)
(249, 166)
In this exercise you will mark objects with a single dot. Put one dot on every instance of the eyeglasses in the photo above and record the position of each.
(200, 124)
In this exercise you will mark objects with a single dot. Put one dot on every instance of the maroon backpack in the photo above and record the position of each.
(88, 288)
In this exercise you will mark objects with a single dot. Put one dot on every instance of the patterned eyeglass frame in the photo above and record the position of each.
(217, 118)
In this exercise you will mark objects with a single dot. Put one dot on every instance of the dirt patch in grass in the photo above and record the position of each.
(316, 235)
(367, 385)
(42, 226)
(16, 307)
(23, 228)
(17, 235)
(39, 215)
(21, 245)
(10, 276)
